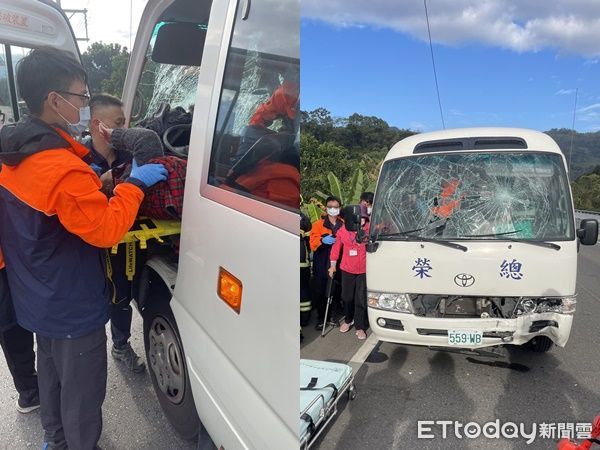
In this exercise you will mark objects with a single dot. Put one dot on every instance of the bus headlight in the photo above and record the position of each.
(390, 302)
(565, 305)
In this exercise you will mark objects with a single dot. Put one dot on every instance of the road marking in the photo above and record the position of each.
(363, 353)
(590, 293)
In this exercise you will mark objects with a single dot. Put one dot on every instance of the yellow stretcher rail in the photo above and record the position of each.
(143, 230)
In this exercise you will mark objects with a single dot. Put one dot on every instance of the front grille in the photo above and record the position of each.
(487, 334)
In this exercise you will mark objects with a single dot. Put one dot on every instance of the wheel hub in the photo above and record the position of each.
(166, 359)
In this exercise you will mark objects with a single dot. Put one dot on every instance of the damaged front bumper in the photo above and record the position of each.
(406, 328)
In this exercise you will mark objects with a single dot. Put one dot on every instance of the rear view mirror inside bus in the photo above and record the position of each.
(179, 43)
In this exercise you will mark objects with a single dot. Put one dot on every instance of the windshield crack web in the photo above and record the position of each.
(512, 195)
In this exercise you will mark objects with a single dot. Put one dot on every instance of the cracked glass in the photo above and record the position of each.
(507, 195)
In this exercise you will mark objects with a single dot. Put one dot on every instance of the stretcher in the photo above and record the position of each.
(142, 231)
(322, 384)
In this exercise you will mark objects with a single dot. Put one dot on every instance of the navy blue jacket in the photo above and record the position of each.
(53, 223)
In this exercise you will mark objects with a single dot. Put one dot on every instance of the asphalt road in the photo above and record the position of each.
(397, 386)
(132, 415)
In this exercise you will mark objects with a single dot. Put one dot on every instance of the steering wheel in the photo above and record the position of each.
(173, 136)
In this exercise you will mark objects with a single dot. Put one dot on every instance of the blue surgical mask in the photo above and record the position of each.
(84, 119)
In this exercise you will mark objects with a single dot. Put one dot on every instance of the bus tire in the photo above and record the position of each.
(166, 362)
(541, 344)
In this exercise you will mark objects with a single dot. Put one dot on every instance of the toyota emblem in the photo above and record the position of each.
(464, 280)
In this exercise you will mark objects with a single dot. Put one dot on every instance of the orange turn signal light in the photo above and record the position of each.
(230, 290)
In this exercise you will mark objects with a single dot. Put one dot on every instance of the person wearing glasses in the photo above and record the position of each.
(55, 225)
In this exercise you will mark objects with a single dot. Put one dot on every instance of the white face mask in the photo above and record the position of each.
(84, 118)
(333, 211)
(369, 209)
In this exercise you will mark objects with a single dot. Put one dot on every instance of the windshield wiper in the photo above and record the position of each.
(524, 241)
(489, 235)
(429, 226)
(546, 244)
(407, 236)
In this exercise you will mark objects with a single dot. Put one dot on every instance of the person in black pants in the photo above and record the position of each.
(108, 110)
(322, 237)
(55, 227)
(17, 345)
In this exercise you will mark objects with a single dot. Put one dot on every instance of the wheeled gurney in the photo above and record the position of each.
(322, 384)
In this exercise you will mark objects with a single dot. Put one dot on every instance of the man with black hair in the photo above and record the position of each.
(107, 111)
(366, 200)
(55, 225)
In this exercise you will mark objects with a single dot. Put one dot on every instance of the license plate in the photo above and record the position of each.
(464, 337)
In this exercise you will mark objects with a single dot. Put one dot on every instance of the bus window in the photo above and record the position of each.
(6, 108)
(17, 54)
(255, 150)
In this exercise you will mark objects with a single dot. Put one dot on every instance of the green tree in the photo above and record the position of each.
(106, 66)
(343, 146)
(586, 192)
(317, 160)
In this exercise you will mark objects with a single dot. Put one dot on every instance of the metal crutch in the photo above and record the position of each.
(329, 293)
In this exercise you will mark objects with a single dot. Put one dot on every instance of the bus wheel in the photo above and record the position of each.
(541, 344)
(166, 363)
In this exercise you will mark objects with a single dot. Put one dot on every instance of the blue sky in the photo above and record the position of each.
(521, 74)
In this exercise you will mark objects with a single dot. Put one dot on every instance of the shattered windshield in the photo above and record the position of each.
(161, 83)
(506, 195)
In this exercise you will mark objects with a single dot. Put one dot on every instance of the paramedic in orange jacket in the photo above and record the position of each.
(54, 227)
(322, 238)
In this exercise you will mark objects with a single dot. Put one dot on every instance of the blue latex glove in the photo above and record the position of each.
(149, 174)
(329, 240)
(96, 168)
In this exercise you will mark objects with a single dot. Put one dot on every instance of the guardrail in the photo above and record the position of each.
(583, 211)
(583, 214)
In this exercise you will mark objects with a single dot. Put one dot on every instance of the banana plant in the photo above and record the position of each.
(313, 209)
(357, 184)
(350, 195)
(313, 212)
(335, 187)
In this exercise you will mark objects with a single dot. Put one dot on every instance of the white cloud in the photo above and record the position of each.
(108, 20)
(519, 25)
(418, 126)
(589, 108)
(565, 92)
(590, 116)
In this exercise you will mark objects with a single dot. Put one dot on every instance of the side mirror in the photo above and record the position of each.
(588, 232)
(372, 247)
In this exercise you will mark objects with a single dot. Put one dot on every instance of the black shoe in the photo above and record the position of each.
(319, 326)
(129, 357)
(25, 406)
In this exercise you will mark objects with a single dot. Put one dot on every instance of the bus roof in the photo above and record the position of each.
(474, 139)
